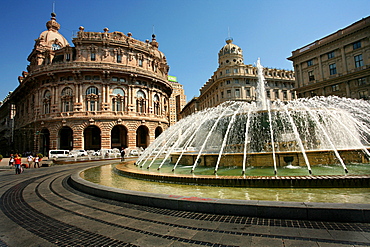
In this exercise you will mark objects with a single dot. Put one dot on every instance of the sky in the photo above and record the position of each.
(190, 32)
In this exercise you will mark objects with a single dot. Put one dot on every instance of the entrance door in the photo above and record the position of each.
(142, 136)
(66, 138)
(92, 138)
(118, 137)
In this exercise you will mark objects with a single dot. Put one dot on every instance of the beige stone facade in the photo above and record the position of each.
(177, 100)
(338, 64)
(236, 81)
(108, 91)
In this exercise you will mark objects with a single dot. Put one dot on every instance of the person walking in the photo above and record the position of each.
(36, 162)
(17, 164)
(30, 160)
(11, 160)
(123, 154)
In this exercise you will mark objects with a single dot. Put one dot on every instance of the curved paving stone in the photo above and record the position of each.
(39, 208)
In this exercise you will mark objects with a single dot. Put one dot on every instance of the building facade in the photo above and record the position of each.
(236, 81)
(338, 64)
(109, 90)
(177, 99)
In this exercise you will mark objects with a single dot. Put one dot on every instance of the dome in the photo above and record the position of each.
(230, 54)
(51, 38)
(230, 48)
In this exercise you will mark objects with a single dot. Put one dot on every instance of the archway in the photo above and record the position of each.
(158, 131)
(92, 138)
(44, 142)
(66, 138)
(119, 137)
(142, 136)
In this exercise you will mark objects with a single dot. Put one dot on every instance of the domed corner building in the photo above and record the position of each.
(236, 81)
(108, 91)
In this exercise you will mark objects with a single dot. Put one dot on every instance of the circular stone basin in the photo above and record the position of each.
(110, 176)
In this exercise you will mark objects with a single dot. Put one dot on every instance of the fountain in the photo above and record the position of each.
(305, 132)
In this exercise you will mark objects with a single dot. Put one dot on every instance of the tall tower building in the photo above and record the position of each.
(177, 99)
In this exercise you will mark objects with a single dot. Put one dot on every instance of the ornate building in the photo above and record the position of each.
(109, 90)
(338, 64)
(177, 100)
(234, 80)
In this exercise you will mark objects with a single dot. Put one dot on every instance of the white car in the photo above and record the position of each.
(78, 153)
(134, 152)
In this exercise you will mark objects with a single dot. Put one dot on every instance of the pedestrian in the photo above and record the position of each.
(17, 164)
(123, 154)
(11, 160)
(36, 162)
(30, 160)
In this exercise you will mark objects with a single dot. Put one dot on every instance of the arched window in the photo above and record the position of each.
(46, 102)
(67, 99)
(92, 99)
(140, 102)
(118, 100)
(156, 104)
(165, 106)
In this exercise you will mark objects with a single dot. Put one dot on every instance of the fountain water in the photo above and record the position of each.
(303, 132)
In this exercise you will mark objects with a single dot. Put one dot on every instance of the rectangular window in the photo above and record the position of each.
(227, 71)
(228, 82)
(221, 73)
(309, 63)
(236, 81)
(236, 70)
(247, 81)
(140, 62)
(356, 45)
(92, 56)
(68, 57)
(87, 77)
(285, 95)
(333, 69)
(331, 54)
(248, 92)
(119, 59)
(96, 78)
(363, 94)
(268, 94)
(335, 88)
(237, 93)
(358, 61)
(361, 81)
(222, 95)
(114, 79)
(311, 76)
(228, 93)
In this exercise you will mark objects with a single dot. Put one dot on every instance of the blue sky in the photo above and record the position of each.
(189, 32)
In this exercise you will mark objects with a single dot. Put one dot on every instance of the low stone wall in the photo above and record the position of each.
(265, 209)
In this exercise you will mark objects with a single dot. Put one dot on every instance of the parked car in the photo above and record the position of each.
(134, 152)
(105, 152)
(54, 154)
(78, 153)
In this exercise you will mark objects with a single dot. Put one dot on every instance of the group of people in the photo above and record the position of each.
(16, 160)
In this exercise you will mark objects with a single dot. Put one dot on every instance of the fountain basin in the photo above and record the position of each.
(341, 212)
(323, 181)
(264, 158)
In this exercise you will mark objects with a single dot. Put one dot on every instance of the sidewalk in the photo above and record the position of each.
(4, 163)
